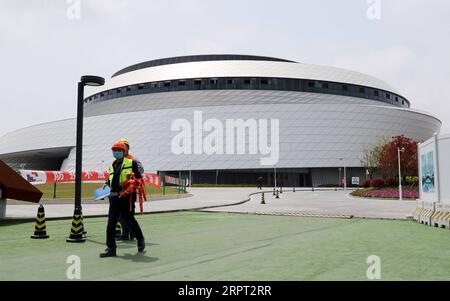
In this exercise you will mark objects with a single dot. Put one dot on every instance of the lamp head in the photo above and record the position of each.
(91, 80)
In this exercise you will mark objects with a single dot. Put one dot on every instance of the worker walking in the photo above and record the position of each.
(119, 173)
(127, 233)
(260, 181)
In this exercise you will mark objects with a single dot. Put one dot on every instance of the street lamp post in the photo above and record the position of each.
(345, 175)
(275, 177)
(190, 175)
(87, 80)
(345, 178)
(339, 179)
(400, 191)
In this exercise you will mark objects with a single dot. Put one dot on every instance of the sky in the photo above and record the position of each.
(46, 45)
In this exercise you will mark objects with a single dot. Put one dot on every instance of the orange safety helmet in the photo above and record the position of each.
(119, 146)
(125, 141)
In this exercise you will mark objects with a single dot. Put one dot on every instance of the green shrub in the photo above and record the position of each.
(360, 192)
(412, 180)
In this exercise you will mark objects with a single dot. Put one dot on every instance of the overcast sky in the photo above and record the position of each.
(46, 45)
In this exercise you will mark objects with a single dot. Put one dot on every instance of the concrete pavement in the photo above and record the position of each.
(237, 200)
(325, 202)
(200, 198)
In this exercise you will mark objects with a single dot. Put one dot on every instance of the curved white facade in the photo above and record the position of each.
(318, 132)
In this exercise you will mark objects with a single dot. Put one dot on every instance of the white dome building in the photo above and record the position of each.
(325, 117)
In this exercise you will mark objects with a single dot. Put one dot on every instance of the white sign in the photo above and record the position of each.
(355, 180)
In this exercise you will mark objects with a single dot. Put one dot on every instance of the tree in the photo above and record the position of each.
(388, 160)
(371, 155)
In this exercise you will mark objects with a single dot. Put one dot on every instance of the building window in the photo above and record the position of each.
(263, 83)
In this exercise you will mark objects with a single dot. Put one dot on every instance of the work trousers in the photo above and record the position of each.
(120, 208)
(126, 229)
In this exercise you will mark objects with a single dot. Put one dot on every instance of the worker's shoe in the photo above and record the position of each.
(108, 253)
(141, 245)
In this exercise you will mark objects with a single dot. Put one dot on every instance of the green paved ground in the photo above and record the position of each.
(220, 246)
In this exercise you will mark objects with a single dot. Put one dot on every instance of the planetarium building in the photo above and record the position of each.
(229, 119)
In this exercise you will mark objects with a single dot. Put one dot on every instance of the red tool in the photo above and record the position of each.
(135, 185)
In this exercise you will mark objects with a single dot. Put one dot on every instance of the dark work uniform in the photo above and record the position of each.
(127, 233)
(260, 180)
(120, 207)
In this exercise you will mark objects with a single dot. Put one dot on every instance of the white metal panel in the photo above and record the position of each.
(243, 69)
(444, 168)
(311, 135)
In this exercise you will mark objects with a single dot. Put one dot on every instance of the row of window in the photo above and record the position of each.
(252, 83)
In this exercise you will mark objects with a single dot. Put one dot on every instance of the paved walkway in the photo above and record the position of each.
(323, 202)
(201, 198)
(327, 202)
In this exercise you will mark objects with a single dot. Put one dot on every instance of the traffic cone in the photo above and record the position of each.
(76, 231)
(118, 230)
(263, 201)
(40, 230)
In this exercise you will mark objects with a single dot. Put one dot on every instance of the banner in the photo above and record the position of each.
(43, 177)
(172, 180)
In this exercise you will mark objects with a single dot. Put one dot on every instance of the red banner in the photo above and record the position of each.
(42, 177)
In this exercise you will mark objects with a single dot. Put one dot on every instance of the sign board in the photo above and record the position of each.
(43, 177)
(355, 180)
(13, 186)
(427, 171)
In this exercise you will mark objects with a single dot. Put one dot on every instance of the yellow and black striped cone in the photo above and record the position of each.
(76, 231)
(118, 230)
(40, 230)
